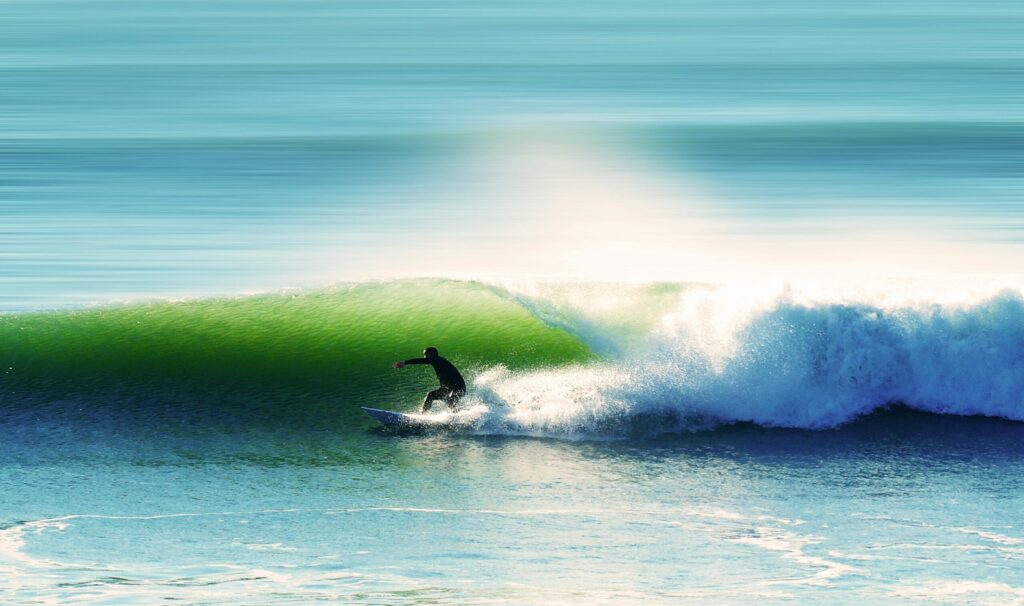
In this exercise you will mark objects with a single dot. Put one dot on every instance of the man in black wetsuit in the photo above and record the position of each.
(452, 387)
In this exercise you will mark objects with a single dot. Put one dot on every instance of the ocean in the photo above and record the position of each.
(735, 287)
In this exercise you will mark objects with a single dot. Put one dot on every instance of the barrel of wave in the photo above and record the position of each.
(331, 346)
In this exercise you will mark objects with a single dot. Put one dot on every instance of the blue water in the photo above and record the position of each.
(789, 237)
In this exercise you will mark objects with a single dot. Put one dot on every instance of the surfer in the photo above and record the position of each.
(453, 387)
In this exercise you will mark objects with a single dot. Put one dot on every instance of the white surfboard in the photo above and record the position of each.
(392, 418)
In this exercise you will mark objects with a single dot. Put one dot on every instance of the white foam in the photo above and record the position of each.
(974, 592)
(784, 360)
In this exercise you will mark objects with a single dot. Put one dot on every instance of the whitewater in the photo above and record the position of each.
(786, 362)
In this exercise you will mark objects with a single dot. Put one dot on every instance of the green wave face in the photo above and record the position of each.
(337, 343)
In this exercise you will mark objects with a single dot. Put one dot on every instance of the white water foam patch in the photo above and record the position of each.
(780, 360)
(15, 563)
(12, 540)
(570, 402)
(963, 592)
(793, 547)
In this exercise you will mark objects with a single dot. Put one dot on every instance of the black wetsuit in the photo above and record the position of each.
(453, 386)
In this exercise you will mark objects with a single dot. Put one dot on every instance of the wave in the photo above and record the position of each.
(592, 361)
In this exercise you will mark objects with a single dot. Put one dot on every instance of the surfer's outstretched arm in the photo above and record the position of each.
(412, 361)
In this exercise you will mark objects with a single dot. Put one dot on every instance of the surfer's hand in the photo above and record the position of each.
(399, 365)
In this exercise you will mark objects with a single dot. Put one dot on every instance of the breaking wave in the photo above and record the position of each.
(718, 359)
(596, 360)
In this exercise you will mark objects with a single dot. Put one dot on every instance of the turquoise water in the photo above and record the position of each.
(735, 287)
(898, 509)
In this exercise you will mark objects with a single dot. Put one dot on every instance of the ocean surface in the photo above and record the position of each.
(736, 289)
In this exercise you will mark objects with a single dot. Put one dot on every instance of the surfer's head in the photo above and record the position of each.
(430, 352)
